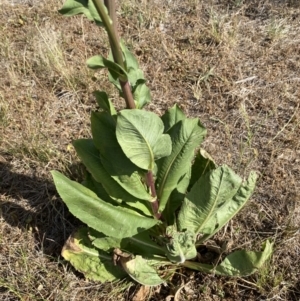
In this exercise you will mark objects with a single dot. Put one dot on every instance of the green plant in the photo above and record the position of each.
(151, 197)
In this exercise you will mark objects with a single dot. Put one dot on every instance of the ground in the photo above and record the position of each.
(234, 64)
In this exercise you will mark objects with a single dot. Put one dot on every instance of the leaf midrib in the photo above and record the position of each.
(161, 188)
(148, 145)
(214, 205)
(145, 243)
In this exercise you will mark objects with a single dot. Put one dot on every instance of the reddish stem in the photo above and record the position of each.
(154, 203)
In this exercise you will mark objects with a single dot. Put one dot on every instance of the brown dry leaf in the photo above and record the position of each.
(142, 293)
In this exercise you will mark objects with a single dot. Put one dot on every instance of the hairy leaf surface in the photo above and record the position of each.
(181, 245)
(207, 196)
(186, 135)
(120, 168)
(229, 209)
(140, 134)
(90, 156)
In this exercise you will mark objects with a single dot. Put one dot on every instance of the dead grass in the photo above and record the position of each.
(234, 64)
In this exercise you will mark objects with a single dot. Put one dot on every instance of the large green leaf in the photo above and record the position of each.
(86, 7)
(90, 157)
(140, 134)
(111, 220)
(186, 135)
(139, 270)
(237, 264)
(206, 197)
(94, 264)
(229, 209)
(202, 164)
(172, 116)
(90, 183)
(120, 168)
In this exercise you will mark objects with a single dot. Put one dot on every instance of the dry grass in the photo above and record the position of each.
(234, 64)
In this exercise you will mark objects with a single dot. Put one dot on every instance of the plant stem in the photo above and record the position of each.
(110, 25)
(155, 203)
(112, 32)
(111, 8)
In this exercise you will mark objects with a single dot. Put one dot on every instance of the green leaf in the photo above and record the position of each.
(140, 134)
(230, 208)
(98, 62)
(141, 95)
(111, 220)
(176, 198)
(202, 164)
(140, 243)
(104, 102)
(90, 157)
(86, 7)
(172, 116)
(119, 167)
(112, 77)
(90, 183)
(140, 91)
(132, 66)
(93, 263)
(181, 245)
(186, 135)
(237, 264)
(106, 243)
(130, 60)
(135, 77)
(139, 270)
(206, 197)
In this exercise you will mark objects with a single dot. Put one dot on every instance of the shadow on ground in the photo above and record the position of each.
(32, 203)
